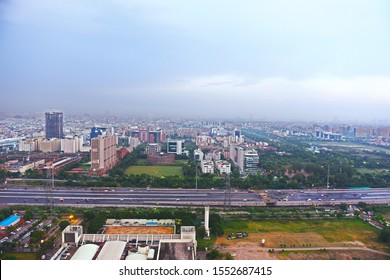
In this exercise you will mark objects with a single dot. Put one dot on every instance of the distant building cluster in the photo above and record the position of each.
(48, 140)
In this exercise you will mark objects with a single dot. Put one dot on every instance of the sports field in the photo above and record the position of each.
(156, 171)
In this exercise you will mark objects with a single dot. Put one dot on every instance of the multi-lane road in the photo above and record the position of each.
(89, 197)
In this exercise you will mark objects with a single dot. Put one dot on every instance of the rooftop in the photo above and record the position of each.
(172, 250)
(8, 221)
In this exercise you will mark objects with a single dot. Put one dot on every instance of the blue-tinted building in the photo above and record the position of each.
(96, 131)
(10, 221)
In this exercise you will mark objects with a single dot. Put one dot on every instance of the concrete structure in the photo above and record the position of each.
(71, 145)
(112, 250)
(206, 221)
(142, 222)
(237, 155)
(56, 165)
(49, 145)
(134, 142)
(207, 166)
(103, 154)
(199, 155)
(54, 125)
(179, 249)
(23, 166)
(325, 135)
(203, 140)
(28, 145)
(72, 234)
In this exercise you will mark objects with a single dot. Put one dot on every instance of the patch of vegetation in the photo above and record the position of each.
(156, 170)
(19, 256)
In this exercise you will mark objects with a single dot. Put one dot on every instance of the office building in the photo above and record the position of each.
(54, 125)
(175, 147)
(251, 161)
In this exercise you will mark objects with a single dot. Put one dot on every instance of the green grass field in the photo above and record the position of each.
(156, 171)
(371, 171)
(337, 231)
(19, 256)
(181, 162)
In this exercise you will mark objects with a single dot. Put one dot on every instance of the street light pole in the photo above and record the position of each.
(196, 172)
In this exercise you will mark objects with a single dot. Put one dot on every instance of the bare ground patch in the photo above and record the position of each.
(275, 239)
(330, 255)
(139, 230)
(250, 248)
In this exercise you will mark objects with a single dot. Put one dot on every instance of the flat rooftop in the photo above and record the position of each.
(8, 221)
(139, 230)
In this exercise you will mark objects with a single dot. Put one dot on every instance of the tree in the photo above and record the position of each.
(384, 235)
(28, 215)
(63, 224)
(213, 255)
(36, 236)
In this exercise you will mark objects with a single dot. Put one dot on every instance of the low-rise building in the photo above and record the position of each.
(153, 148)
(207, 166)
(223, 166)
(161, 159)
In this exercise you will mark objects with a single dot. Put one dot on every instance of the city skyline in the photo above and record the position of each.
(285, 60)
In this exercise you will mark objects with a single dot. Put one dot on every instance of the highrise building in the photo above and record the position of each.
(251, 160)
(103, 154)
(54, 125)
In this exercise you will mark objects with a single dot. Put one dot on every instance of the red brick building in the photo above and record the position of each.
(161, 159)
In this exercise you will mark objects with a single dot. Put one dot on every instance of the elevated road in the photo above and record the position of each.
(122, 197)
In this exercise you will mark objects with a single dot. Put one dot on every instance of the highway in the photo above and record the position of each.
(122, 197)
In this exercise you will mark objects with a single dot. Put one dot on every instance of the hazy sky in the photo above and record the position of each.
(280, 59)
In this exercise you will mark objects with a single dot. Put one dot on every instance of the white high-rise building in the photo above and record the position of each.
(175, 147)
(251, 161)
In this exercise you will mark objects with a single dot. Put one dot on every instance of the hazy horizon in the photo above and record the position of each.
(251, 60)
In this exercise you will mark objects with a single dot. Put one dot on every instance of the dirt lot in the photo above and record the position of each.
(274, 239)
(252, 251)
(139, 230)
(330, 255)
(250, 248)
(247, 251)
